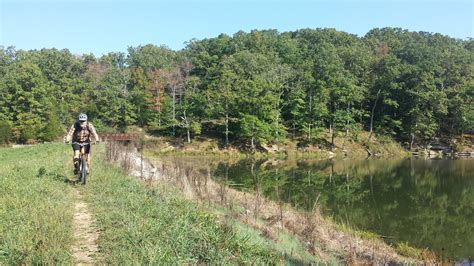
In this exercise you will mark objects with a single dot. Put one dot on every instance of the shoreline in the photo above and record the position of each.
(320, 236)
(319, 149)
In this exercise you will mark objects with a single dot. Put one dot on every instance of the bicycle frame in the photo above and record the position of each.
(82, 161)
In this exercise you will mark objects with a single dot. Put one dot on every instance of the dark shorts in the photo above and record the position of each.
(77, 147)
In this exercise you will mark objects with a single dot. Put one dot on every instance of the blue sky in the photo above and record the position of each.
(102, 26)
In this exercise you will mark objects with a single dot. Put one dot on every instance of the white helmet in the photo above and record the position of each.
(82, 117)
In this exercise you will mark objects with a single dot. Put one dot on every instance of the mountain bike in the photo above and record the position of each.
(83, 167)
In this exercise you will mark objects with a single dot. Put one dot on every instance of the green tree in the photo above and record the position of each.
(151, 57)
(190, 110)
(53, 128)
(112, 100)
(253, 129)
(5, 132)
(26, 94)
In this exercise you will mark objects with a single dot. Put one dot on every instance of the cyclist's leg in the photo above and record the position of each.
(89, 162)
(88, 158)
(75, 159)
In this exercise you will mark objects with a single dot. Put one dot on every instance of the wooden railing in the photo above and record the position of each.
(118, 137)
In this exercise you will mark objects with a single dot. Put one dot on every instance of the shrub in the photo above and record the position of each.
(53, 128)
(27, 133)
(5, 132)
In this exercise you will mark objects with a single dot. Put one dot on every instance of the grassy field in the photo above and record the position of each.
(137, 224)
(35, 206)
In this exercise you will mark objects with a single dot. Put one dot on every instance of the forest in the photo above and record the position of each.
(254, 88)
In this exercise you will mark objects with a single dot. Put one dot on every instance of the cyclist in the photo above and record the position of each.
(81, 132)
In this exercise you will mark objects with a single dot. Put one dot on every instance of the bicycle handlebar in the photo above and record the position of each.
(82, 144)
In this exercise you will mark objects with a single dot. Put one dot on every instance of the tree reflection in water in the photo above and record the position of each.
(427, 203)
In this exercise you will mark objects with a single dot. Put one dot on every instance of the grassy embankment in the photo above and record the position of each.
(240, 206)
(137, 223)
(142, 224)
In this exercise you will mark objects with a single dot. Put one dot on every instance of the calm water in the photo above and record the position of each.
(427, 203)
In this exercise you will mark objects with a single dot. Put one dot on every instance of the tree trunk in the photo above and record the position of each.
(309, 131)
(277, 122)
(372, 114)
(174, 109)
(186, 123)
(331, 123)
(140, 117)
(226, 128)
(310, 116)
(332, 130)
(347, 127)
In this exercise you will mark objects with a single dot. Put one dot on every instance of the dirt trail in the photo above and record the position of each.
(85, 249)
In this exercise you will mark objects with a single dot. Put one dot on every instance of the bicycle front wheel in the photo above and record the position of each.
(83, 171)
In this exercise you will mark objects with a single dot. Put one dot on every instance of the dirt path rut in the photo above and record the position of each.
(84, 250)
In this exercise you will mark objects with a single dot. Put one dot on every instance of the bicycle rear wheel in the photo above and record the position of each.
(83, 172)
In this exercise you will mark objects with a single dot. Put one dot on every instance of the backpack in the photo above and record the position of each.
(77, 126)
(78, 129)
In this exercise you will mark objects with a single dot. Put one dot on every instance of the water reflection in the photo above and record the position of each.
(427, 203)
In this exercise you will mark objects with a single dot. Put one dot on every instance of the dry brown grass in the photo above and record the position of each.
(321, 237)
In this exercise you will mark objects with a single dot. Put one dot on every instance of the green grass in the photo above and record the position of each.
(155, 225)
(35, 206)
(288, 246)
(138, 224)
(406, 250)
(343, 227)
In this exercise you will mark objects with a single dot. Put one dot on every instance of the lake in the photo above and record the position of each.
(425, 203)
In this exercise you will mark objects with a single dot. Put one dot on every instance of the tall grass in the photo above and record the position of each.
(140, 224)
(35, 206)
